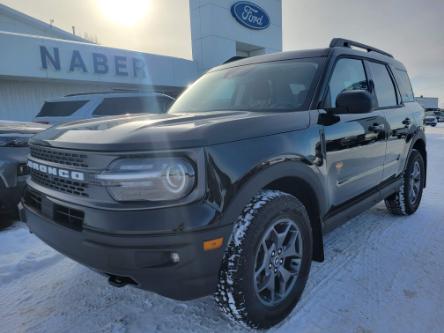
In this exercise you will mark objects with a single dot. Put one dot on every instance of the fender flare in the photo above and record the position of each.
(295, 169)
(419, 135)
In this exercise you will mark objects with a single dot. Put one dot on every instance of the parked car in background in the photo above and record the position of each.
(89, 105)
(430, 120)
(14, 149)
(435, 112)
(439, 116)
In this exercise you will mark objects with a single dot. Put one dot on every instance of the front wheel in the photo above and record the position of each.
(407, 199)
(267, 261)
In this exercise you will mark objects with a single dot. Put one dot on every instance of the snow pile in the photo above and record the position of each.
(382, 274)
(22, 254)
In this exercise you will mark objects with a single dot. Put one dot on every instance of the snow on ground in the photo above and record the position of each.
(381, 274)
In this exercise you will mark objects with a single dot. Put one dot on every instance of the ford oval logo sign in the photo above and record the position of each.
(250, 15)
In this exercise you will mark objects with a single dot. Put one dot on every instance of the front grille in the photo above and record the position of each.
(60, 184)
(59, 156)
(69, 217)
(66, 216)
(33, 200)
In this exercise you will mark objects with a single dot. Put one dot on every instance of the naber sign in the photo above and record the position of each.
(100, 63)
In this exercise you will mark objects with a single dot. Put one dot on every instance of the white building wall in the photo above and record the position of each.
(215, 32)
(22, 58)
(9, 24)
(428, 102)
(25, 82)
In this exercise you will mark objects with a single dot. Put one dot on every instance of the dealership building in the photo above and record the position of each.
(428, 102)
(39, 61)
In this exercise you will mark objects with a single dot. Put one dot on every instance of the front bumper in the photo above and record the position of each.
(145, 258)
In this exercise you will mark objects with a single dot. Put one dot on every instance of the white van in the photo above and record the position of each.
(89, 105)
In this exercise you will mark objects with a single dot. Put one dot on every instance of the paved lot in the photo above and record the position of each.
(381, 274)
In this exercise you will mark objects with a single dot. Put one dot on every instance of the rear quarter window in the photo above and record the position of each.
(60, 109)
(405, 87)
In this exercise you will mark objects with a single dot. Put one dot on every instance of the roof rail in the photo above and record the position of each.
(235, 58)
(341, 42)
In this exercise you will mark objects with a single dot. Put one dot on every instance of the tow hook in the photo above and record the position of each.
(119, 281)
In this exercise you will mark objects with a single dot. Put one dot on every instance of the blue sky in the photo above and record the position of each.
(412, 30)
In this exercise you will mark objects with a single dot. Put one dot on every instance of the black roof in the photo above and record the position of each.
(337, 46)
(277, 57)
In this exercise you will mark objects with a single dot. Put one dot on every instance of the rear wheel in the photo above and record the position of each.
(406, 201)
(267, 261)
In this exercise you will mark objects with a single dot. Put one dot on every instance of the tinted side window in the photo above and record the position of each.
(384, 88)
(60, 109)
(113, 106)
(349, 74)
(402, 78)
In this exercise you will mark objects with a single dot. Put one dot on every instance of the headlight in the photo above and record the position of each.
(7, 140)
(149, 179)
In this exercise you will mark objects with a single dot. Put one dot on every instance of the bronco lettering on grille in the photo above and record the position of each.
(68, 174)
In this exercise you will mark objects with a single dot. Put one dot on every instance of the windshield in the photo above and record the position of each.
(273, 86)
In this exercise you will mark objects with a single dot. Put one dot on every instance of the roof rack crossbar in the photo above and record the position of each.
(341, 42)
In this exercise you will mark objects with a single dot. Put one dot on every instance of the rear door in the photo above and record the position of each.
(355, 143)
(398, 117)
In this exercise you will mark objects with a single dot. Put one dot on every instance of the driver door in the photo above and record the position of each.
(356, 143)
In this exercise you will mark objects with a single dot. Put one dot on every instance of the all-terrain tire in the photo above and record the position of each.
(237, 294)
(401, 202)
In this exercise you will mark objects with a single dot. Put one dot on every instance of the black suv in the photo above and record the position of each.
(232, 190)
(14, 136)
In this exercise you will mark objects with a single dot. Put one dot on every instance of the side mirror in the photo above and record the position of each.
(354, 101)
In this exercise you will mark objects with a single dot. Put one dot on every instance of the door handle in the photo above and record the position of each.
(407, 121)
(377, 128)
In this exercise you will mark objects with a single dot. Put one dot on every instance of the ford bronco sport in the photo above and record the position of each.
(231, 191)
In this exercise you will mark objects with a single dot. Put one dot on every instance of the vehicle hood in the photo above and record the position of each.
(20, 127)
(169, 131)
